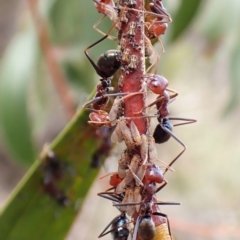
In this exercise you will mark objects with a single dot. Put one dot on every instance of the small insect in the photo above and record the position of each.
(104, 149)
(129, 174)
(132, 29)
(53, 170)
(133, 63)
(126, 55)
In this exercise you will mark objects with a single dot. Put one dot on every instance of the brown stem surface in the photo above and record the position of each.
(131, 80)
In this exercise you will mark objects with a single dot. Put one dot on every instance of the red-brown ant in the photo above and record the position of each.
(156, 83)
(158, 26)
(155, 28)
(145, 227)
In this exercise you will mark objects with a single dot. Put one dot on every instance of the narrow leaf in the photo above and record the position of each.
(30, 210)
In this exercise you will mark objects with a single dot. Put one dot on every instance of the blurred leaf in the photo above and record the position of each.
(234, 79)
(78, 70)
(17, 65)
(31, 211)
(183, 17)
(71, 22)
(213, 23)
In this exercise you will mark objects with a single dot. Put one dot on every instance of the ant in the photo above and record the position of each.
(145, 227)
(155, 28)
(119, 229)
(53, 172)
(107, 64)
(158, 26)
(106, 145)
(163, 131)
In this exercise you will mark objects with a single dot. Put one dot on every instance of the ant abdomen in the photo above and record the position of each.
(122, 231)
(146, 230)
(160, 135)
(108, 63)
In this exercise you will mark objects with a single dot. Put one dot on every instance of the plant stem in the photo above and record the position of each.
(131, 80)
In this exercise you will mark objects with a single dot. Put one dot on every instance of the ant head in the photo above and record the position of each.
(154, 173)
(156, 83)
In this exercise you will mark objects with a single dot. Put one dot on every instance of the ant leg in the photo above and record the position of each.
(162, 98)
(125, 94)
(166, 203)
(164, 16)
(162, 186)
(137, 179)
(187, 121)
(101, 32)
(92, 45)
(165, 216)
(126, 204)
(99, 98)
(110, 196)
(153, 55)
(179, 141)
(134, 237)
(103, 233)
(165, 165)
(161, 44)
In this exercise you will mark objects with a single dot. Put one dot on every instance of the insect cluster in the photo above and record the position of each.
(138, 178)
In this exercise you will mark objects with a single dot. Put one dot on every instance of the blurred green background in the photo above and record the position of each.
(201, 61)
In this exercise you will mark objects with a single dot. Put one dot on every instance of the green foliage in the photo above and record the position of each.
(183, 17)
(31, 211)
(17, 66)
(234, 77)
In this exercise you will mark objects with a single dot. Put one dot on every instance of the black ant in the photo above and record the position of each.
(119, 225)
(119, 228)
(107, 64)
(106, 145)
(53, 172)
(163, 131)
